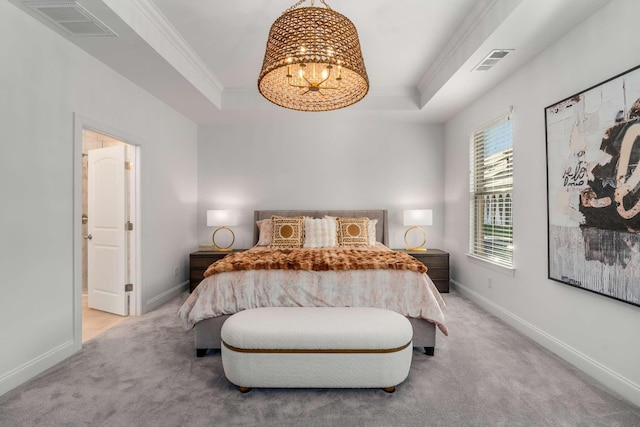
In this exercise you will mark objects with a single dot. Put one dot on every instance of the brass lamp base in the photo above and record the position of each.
(223, 248)
(420, 247)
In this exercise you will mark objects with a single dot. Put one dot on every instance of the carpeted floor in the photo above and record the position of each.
(144, 372)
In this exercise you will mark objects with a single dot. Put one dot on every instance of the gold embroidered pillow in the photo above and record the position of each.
(287, 232)
(353, 231)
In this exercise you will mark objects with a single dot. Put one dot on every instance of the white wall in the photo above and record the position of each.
(44, 80)
(597, 334)
(321, 163)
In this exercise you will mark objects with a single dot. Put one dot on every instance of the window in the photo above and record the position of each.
(491, 190)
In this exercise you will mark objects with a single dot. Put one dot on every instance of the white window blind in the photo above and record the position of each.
(491, 192)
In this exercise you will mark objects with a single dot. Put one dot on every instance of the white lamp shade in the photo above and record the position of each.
(221, 217)
(417, 217)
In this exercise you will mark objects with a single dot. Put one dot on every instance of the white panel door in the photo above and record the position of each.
(106, 230)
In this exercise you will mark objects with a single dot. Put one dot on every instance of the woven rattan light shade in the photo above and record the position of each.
(314, 40)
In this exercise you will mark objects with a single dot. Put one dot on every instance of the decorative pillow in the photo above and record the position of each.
(287, 232)
(319, 233)
(265, 232)
(372, 231)
(333, 221)
(353, 231)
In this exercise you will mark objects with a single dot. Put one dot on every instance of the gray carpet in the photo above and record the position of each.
(144, 372)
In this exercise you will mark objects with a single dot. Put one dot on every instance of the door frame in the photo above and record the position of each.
(79, 124)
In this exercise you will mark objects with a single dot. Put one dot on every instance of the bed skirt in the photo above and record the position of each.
(208, 334)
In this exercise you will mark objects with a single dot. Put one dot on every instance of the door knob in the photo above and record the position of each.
(88, 237)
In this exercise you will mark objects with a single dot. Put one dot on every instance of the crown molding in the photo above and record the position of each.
(171, 45)
(470, 23)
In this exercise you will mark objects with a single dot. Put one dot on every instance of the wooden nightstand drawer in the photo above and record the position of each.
(196, 274)
(437, 263)
(200, 261)
(442, 285)
(432, 261)
(204, 261)
(438, 273)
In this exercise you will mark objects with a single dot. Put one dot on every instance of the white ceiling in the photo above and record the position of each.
(202, 57)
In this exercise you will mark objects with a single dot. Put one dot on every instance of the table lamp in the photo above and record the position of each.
(223, 219)
(414, 218)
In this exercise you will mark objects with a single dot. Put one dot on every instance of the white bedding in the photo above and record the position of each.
(407, 292)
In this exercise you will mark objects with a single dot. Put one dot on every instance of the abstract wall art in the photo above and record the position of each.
(593, 188)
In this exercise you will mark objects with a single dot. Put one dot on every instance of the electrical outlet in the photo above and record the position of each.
(489, 282)
(175, 271)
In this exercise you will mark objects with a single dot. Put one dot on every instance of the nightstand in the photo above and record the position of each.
(437, 263)
(199, 262)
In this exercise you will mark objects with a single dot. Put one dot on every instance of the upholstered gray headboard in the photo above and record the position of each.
(382, 227)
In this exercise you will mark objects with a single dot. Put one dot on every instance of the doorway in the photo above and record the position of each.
(109, 207)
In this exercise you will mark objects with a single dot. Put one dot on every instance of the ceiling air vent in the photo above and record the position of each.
(492, 59)
(71, 17)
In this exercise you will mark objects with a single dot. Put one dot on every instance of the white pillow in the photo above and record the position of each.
(372, 231)
(265, 235)
(319, 233)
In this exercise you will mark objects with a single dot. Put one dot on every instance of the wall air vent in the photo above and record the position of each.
(71, 17)
(492, 59)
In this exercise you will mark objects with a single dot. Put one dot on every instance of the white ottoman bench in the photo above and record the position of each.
(316, 347)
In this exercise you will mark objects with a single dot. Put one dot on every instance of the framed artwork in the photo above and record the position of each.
(593, 188)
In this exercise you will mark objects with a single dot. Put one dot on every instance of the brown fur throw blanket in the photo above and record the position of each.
(315, 259)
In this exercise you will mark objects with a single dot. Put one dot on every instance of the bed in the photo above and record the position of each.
(407, 291)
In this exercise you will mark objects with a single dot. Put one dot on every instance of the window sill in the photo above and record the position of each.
(507, 271)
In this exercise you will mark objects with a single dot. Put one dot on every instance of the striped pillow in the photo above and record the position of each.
(319, 233)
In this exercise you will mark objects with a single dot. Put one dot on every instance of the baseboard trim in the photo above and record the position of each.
(36, 366)
(158, 300)
(611, 379)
